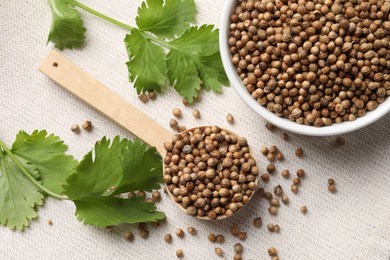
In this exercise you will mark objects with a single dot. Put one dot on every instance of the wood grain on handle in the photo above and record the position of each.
(94, 93)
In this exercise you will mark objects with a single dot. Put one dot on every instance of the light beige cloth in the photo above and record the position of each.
(354, 223)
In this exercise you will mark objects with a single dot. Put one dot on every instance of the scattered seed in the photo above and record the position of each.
(156, 196)
(179, 253)
(237, 256)
(129, 236)
(185, 102)
(331, 181)
(272, 251)
(234, 230)
(278, 190)
(177, 112)
(299, 152)
(50, 222)
(286, 174)
(279, 156)
(296, 181)
(238, 248)
(144, 233)
(141, 194)
(173, 124)
(181, 128)
(274, 202)
(340, 140)
(211, 237)
(303, 209)
(301, 173)
(275, 258)
(294, 188)
(179, 232)
(230, 119)
(218, 251)
(196, 113)
(270, 227)
(285, 199)
(273, 210)
(242, 235)
(264, 150)
(265, 177)
(168, 238)
(332, 188)
(87, 125)
(276, 229)
(271, 157)
(191, 231)
(268, 195)
(284, 136)
(220, 239)
(131, 195)
(270, 126)
(271, 168)
(273, 149)
(261, 192)
(144, 98)
(75, 128)
(257, 222)
(152, 95)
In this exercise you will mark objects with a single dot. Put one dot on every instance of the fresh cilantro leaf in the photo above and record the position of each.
(18, 195)
(166, 19)
(46, 153)
(67, 28)
(112, 168)
(108, 211)
(147, 66)
(194, 57)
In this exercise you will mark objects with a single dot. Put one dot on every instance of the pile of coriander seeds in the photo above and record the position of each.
(315, 62)
(209, 172)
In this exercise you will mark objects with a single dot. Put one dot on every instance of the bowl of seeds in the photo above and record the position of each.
(209, 172)
(319, 67)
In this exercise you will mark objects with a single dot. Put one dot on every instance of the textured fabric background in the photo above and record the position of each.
(354, 223)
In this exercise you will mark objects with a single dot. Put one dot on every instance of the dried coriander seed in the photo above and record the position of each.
(185, 102)
(265, 177)
(87, 125)
(279, 156)
(179, 253)
(271, 168)
(144, 233)
(278, 190)
(174, 124)
(273, 210)
(299, 152)
(156, 196)
(50, 222)
(152, 95)
(177, 112)
(264, 150)
(286, 174)
(129, 236)
(192, 231)
(332, 188)
(296, 181)
(303, 209)
(274, 202)
(237, 256)
(294, 188)
(270, 126)
(220, 239)
(270, 227)
(273, 149)
(75, 128)
(276, 228)
(196, 113)
(144, 98)
(211, 237)
(257, 222)
(271, 157)
(284, 136)
(238, 248)
(168, 238)
(331, 181)
(285, 199)
(230, 119)
(234, 230)
(179, 232)
(340, 141)
(218, 251)
(242, 235)
(301, 173)
(272, 251)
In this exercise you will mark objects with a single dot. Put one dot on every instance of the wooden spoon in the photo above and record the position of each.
(95, 94)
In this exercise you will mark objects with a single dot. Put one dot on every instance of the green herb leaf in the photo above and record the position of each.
(166, 19)
(193, 58)
(112, 168)
(18, 195)
(147, 66)
(67, 28)
(46, 153)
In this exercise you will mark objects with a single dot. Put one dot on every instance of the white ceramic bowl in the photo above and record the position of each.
(281, 122)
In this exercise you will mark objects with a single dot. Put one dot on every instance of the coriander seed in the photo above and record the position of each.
(144, 98)
(279, 156)
(129, 236)
(296, 181)
(50, 222)
(271, 168)
(174, 124)
(273, 210)
(276, 229)
(270, 227)
(237, 256)
(177, 112)
(220, 239)
(278, 190)
(242, 235)
(152, 95)
(331, 181)
(340, 141)
(332, 188)
(168, 238)
(218, 251)
(87, 125)
(285, 199)
(234, 230)
(274, 202)
(230, 118)
(272, 251)
(299, 152)
(185, 102)
(294, 188)
(75, 128)
(238, 248)
(265, 177)
(284, 136)
(196, 113)
(144, 233)
(156, 196)
(257, 222)
(179, 253)
(286, 174)
(211, 237)
(301, 173)
(179, 232)
(303, 209)
(264, 150)
(191, 231)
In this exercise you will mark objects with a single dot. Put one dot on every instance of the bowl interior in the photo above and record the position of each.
(237, 84)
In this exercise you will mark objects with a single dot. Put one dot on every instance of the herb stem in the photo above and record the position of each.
(120, 24)
(4, 147)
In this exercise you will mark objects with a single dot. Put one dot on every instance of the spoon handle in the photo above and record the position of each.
(95, 94)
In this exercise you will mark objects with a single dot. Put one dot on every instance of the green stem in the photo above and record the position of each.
(25, 172)
(123, 25)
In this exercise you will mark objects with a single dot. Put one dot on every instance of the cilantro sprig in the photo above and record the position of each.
(37, 166)
(165, 48)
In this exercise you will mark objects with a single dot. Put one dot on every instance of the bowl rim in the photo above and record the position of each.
(281, 122)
